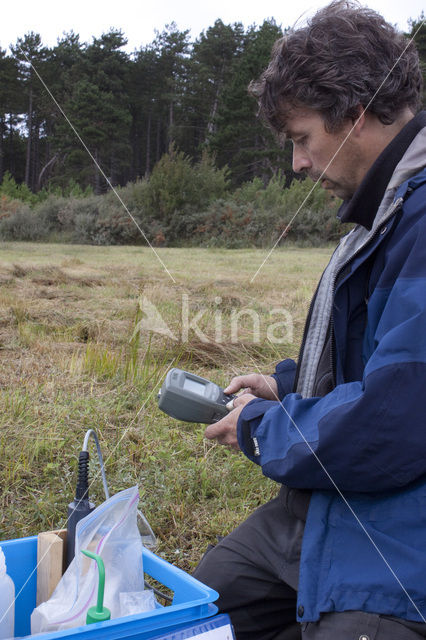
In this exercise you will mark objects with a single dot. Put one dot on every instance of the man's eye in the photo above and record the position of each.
(301, 142)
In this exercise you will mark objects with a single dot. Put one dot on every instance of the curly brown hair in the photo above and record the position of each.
(347, 55)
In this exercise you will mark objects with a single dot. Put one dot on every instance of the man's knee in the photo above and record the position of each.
(226, 571)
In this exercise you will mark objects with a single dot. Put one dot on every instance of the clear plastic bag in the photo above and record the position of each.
(111, 531)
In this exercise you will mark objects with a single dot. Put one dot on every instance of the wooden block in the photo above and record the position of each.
(51, 547)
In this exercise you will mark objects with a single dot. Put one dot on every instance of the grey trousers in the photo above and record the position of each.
(255, 570)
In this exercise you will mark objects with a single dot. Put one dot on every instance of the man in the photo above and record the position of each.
(344, 432)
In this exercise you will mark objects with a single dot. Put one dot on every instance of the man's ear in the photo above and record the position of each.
(359, 122)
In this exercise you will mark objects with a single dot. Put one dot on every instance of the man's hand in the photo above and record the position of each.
(225, 431)
(256, 384)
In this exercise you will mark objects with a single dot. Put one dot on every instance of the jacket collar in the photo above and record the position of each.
(363, 205)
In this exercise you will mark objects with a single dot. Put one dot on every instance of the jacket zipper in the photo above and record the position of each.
(396, 205)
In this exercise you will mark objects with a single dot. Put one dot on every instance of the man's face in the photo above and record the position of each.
(334, 159)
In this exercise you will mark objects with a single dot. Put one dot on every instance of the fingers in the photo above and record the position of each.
(240, 401)
(225, 431)
(243, 399)
(219, 432)
(241, 382)
(234, 385)
(256, 383)
(226, 438)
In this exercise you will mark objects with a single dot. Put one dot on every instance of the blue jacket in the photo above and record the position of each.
(369, 432)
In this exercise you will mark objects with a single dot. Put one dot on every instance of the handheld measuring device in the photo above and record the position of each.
(190, 398)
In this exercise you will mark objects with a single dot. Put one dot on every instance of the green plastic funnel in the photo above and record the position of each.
(99, 613)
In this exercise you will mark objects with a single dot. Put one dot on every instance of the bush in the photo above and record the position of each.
(97, 221)
(134, 196)
(21, 192)
(8, 206)
(181, 204)
(260, 216)
(71, 190)
(303, 211)
(16, 191)
(231, 225)
(276, 195)
(22, 224)
(178, 186)
(50, 213)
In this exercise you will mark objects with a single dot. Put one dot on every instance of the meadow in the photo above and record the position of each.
(87, 335)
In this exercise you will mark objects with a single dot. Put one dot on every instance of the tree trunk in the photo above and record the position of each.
(29, 140)
(170, 133)
(135, 167)
(112, 169)
(47, 166)
(210, 124)
(35, 157)
(98, 190)
(2, 129)
(11, 155)
(148, 147)
(158, 140)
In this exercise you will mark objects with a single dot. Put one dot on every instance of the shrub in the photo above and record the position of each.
(22, 224)
(231, 225)
(134, 196)
(277, 195)
(16, 191)
(97, 221)
(176, 185)
(181, 204)
(50, 213)
(304, 212)
(10, 188)
(8, 206)
(259, 216)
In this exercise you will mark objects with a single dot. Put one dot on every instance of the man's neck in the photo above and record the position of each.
(362, 207)
(379, 135)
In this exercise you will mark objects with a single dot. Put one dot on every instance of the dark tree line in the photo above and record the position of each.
(129, 109)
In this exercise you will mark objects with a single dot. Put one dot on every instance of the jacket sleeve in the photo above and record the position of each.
(366, 435)
(285, 372)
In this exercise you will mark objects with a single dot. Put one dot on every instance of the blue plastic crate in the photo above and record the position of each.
(220, 624)
(192, 600)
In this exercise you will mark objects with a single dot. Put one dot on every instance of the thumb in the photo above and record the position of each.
(235, 385)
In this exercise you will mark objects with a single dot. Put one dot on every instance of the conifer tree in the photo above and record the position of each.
(240, 140)
(31, 55)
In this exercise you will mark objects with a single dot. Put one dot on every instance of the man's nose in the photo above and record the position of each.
(301, 161)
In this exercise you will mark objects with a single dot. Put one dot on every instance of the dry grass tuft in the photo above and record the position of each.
(48, 276)
(51, 275)
(225, 355)
(18, 271)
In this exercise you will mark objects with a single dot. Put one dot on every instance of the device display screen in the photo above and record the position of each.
(194, 386)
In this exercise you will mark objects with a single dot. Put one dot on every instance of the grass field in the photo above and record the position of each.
(77, 351)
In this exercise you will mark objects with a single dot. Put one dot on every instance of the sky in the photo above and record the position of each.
(139, 20)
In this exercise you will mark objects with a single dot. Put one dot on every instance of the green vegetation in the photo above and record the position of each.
(74, 355)
(180, 204)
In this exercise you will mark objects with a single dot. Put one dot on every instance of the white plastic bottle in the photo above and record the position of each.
(7, 601)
